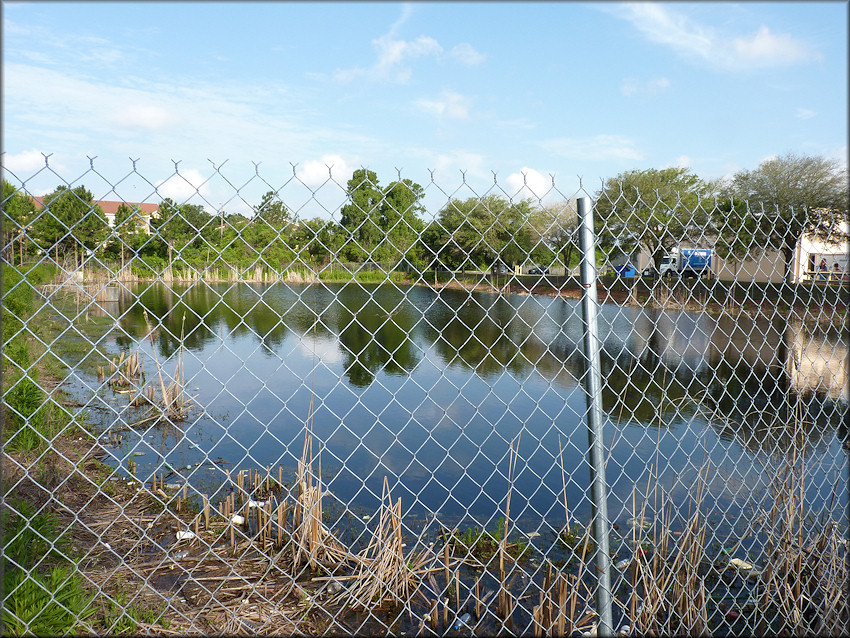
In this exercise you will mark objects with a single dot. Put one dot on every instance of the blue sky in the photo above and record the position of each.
(443, 92)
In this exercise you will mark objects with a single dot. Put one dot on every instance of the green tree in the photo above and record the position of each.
(70, 222)
(481, 231)
(556, 228)
(181, 227)
(786, 197)
(400, 220)
(18, 209)
(272, 211)
(361, 217)
(317, 240)
(651, 209)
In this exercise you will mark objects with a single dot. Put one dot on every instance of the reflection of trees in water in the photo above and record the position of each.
(656, 364)
(268, 312)
(376, 335)
(770, 427)
(483, 335)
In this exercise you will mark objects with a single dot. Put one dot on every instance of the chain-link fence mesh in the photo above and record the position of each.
(335, 409)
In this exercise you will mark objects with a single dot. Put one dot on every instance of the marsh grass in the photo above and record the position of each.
(483, 545)
(313, 542)
(384, 574)
(123, 372)
(796, 581)
(669, 594)
(803, 583)
(175, 402)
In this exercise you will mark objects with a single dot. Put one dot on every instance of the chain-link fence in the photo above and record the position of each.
(363, 408)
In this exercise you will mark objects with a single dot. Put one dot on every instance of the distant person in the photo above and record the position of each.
(822, 276)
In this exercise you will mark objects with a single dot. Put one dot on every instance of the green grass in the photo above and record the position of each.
(484, 544)
(43, 591)
(576, 539)
(47, 605)
(37, 598)
(341, 275)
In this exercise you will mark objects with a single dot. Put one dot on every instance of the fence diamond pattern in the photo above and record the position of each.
(347, 411)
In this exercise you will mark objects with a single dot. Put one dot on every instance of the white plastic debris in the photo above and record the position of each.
(237, 520)
(185, 535)
(533, 534)
(623, 564)
(462, 621)
(253, 503)
(625, 630)
(591, 633)
(639, 522)
(745, 567)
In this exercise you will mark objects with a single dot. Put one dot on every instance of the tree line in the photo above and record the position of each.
(650, 210)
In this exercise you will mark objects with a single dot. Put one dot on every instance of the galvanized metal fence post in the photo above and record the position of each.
(592, 381)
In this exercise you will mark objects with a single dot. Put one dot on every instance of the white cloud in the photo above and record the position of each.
(184, 185)
(805, 114)
(666, 26)
(768, 49)
(597, 147)
(148, 117)
(683, 161)
(529, 183)
(633, 86)
(27, 161)
(317, 172)
(394, 54)
(186, 120)
(451, 105)
(466, 54)
(457, 163)
(629, 86)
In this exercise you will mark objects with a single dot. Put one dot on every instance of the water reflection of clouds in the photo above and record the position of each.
(466, 381)
(685, 339)
(325, 349)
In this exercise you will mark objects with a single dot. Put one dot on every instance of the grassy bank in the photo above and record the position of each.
(49, 464)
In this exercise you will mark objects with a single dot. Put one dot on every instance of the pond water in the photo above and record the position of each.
(429, 388)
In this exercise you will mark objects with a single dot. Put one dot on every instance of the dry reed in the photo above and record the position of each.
(805, 575)
(123, 372)
(313, 542)
(384, 575)
(175, 402)
(669, 595)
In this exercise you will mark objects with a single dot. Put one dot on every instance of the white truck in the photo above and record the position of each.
(687, 262)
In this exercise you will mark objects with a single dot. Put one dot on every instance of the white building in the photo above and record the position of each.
(823, 258)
